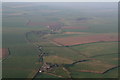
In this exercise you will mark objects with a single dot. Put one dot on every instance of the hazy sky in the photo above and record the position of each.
(60, 0)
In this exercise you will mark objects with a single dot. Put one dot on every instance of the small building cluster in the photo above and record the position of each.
(47, 66)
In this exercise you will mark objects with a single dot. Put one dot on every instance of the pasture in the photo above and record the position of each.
(57, 59)
(98, 48)
(68, 34)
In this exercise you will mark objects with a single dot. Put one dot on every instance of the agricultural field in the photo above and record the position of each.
(47, 40)
(69, 41)
(4, 54)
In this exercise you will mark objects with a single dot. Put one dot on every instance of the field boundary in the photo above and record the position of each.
(91, 43)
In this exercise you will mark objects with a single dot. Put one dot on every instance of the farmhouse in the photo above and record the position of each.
(45, 67)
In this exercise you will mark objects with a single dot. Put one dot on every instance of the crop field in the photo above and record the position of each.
(64, 53)
(100, 48)
(44, 75)
(81, 27)
(4, 54)
(57, 59)
(69, 41)
(95, 66)
(47, 40)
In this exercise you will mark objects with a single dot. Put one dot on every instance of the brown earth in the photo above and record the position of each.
(75, 33)
(68, 41)
(80, 27)
(3, 52)
(90, 71)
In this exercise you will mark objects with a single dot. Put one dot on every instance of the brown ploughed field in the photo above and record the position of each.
(3, 53)
(68, 41)
(80, 27)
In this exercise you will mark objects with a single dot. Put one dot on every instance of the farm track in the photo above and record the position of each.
(29, 41)
(67, 72)
(54, 75)
(35, 75)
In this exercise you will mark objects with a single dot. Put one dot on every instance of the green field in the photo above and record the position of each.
(100, 48)
(26, 27)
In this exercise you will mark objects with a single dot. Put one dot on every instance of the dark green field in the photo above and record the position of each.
(27, 27)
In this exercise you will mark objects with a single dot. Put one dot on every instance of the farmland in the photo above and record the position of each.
(68, 41)
(5, 53)
(47, 40)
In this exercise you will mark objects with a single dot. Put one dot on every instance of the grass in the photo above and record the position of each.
(22, 61)
(43, 75)
(99, 48)
(60, 71)
(96, 66)
(112, 74)
(64, 52)
(57, 59)
(76, 74)
(108, 58)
